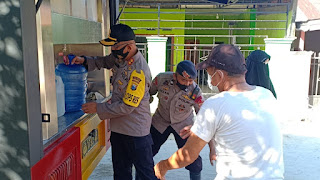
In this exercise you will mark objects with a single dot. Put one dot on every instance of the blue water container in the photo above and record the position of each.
(74, 78)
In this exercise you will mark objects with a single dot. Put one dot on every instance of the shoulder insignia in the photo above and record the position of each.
(129, 68)
(130, 61)
(199, 100)
(155, 81)
(135, 82)
(135, 89)
(195, 93)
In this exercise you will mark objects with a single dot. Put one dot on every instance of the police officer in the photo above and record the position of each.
(129, 111)
(178, 94)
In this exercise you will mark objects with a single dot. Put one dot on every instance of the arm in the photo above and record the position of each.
(153, 89)
(181, 158)
(93, 62)
(134, 94)
(98, 62)
(154, 86)
(115, 109)
(198, 101)
(212, 154)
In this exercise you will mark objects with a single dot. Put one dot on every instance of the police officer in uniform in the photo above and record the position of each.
(178, 94)
(129, 111)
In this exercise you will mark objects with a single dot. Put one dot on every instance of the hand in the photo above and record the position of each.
(90, 107)
(185, 132)
(212, 157)
(160, 170)
(75, 60)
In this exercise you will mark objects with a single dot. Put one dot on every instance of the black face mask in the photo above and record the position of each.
(117, 53)
(182, 87)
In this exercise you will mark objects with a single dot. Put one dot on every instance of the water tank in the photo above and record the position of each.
(74, 78)
(61, 108)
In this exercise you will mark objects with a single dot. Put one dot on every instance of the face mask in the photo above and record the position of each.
(182, 87)
(119, 53)
(213, 88)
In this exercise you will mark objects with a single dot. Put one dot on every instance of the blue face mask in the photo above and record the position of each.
(119, 53)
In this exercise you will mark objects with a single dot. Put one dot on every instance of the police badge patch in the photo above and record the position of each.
(135, 81)
(134, 87)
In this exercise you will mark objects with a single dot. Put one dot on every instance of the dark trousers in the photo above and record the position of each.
(128, 151)
(159, 139)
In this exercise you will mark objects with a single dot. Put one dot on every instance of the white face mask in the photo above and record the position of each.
(213, 88)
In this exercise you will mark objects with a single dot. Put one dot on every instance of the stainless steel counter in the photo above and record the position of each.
(69, 120)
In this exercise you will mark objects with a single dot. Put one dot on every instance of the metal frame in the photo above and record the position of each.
(114, 11)
(195, 3)
(31, 73)
(46, 69)
(315, 75)
(164, 20)
(208, 10)
(196, 54)
(202, 28)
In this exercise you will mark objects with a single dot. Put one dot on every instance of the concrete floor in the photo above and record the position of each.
(301, 155)
(104, 170)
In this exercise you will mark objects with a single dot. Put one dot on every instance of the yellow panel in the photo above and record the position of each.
(93, 164)
(87, 125)
(92, 158)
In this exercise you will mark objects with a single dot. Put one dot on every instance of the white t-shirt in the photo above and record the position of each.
(245, 128)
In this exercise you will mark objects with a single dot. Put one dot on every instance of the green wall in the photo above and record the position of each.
(220, 15)
(177, 56)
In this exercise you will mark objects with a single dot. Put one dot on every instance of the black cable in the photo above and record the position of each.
(121, 11)
(38, 5)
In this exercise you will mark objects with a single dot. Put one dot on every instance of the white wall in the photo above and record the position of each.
(289, 72)
(156, 60)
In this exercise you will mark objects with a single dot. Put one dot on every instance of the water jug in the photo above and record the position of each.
(74, 78)
(60, 96)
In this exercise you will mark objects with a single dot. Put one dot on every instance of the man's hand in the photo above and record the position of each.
(75, 60)
(181, 158)
(212, 154)
(185, 132)
(212, 157)
(90, 107)
(160, 170)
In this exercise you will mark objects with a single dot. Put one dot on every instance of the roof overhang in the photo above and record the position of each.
(310, 25)
(201, 2)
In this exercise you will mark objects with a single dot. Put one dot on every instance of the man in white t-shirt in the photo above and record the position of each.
(243, 121)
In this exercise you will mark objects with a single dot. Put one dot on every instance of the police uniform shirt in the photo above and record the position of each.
(175, 106)
(129, 111)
